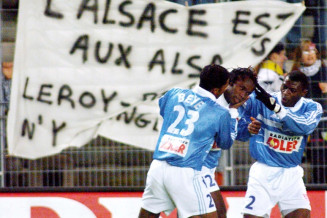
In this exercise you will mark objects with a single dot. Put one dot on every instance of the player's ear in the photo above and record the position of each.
(304, 92)
(215, 91)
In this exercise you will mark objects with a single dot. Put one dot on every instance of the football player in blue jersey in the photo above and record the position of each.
(278, 133)
(192, 121)
(241, 84)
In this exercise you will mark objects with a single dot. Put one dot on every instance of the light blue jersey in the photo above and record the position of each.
(214, 155)
(283, 136)
(192, 122)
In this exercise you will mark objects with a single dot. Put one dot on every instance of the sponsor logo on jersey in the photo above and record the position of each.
(282, 143)
(174, 145)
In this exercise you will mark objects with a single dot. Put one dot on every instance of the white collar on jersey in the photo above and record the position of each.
(204, 93)
(296, 107)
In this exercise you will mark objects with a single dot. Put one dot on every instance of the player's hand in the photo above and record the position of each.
(237, 105)
(266, 99)
(254, 126)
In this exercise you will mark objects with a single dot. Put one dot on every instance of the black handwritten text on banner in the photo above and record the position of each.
(97, 67)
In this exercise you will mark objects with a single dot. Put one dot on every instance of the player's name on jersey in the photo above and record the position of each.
(191, 100)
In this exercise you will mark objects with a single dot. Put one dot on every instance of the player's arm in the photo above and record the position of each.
(227, 131)
(269, 101)
(299, 122)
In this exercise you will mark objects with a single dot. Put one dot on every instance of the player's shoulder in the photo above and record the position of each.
(309, 103)
(219, 109)
(178, 90)
(174, 91)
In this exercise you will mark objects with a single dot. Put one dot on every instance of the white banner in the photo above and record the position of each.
(97, 67)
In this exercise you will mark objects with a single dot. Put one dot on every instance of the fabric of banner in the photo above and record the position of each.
(88, 68)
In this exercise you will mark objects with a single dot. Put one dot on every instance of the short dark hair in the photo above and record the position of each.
(242, 73)
(277, 49)
(298, 76)
(213, 76)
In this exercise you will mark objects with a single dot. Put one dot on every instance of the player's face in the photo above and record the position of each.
(291, 91)
(240, 90)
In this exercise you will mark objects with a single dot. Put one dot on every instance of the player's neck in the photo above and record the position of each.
(227, 96)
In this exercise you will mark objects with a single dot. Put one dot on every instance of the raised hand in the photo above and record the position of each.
(237, 105)
(254, 126)
(266, 99)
